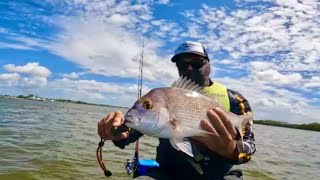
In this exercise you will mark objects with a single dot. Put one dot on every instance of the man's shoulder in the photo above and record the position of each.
(234, 94)
(238, 103)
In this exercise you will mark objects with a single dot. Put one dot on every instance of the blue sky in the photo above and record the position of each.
(89, 50)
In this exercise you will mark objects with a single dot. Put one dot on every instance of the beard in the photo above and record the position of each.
(194, 76)
(199, 76)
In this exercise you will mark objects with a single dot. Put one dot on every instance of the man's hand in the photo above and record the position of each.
(112, 121)
(223, 141)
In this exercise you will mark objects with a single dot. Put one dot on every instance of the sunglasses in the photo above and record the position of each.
(183, 65)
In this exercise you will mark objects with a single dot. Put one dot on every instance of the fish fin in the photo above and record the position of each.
(185, 83)
(246, 118)
(183, 145)
(239, 121)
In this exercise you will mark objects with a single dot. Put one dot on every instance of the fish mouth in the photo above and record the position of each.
(129, 121)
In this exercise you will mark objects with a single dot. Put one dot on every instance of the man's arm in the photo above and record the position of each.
(239, 105)
(131, 138)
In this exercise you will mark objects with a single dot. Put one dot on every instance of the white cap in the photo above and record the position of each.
(190, 47)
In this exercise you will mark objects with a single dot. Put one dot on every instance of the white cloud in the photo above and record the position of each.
(22, 42)
(30, 68)
(262, 65)
(265, 102)
(164, 1)
(72, 75)
(112, 51)
(289, 33)
(31, 75)
(28, 42)
(314, 82)
(4, 45)
(10, 77)
(119, 19)
(275, 77)
(88, 85)
(32, 82)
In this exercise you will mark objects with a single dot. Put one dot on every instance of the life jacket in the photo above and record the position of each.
(220, 92)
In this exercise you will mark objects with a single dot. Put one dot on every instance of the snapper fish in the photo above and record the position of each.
(175, 113)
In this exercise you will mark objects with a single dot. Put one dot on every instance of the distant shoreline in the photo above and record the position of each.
(34, 98)
(311, 127)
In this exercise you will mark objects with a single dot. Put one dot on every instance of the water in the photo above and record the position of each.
(53, 140)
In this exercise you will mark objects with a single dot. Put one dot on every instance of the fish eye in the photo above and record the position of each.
(147, 104)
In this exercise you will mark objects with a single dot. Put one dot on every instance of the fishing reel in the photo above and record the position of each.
(131, 166)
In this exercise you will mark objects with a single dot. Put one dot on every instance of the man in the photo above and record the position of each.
(214, 155)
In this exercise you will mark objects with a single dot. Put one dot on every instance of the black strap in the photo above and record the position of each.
(196, 160)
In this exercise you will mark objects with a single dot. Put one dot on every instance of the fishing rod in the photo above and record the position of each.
(130, 165)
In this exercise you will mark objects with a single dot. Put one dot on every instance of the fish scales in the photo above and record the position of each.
(188, 108)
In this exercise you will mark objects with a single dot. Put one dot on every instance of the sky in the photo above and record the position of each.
(89, 50)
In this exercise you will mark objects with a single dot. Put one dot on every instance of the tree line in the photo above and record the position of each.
(312, 126)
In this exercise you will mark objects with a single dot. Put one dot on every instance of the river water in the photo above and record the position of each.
(54, 140)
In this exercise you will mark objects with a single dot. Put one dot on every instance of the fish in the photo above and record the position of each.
(175, 113)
